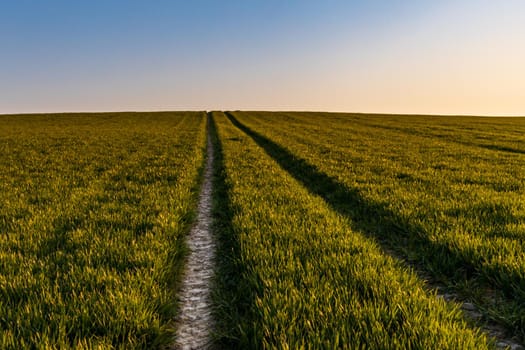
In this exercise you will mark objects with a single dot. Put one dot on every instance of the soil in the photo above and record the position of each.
(195, 322)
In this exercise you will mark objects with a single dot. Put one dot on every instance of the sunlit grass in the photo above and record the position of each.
(446, 194)
(294, 274)
(92, 218)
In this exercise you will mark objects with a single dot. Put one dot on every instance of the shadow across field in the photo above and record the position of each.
(444, 137)
(440, 264)
(374, 219)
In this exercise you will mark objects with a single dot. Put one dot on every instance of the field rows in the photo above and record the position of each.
(93, 215)
(452, 206)
(308, 280)
(333, 230)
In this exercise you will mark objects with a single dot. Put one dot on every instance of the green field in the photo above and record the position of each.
(93, 212)
(333, 230)
(441, 195)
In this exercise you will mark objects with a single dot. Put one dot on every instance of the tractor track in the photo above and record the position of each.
(194, 322)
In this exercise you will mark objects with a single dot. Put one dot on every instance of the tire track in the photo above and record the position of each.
(195, 321)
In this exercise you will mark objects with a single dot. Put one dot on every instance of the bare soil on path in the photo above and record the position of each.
(195, 322)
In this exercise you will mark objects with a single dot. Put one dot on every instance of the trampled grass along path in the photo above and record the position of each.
(195, 323)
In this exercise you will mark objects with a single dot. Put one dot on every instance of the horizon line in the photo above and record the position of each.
(266, 110)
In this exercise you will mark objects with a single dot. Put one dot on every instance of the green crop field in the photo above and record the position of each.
(443, 196)
(332, 230)
(93, 211)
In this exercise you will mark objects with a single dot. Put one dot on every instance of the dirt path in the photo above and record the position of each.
(195, 319)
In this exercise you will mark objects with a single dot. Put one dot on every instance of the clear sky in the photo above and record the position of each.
(398, 56)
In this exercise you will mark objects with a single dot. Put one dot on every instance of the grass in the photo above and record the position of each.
(93, 213)
(333, 230)
(445, 194)
(293, 273)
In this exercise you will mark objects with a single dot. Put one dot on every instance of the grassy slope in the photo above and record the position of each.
(445, 193)
(93, 209)
(293, 274)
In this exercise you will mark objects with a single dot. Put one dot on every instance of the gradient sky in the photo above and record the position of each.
(390, 56)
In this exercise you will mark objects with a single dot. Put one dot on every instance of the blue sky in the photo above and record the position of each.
(399, 56)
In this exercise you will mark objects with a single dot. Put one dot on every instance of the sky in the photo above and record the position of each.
(371, 56)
